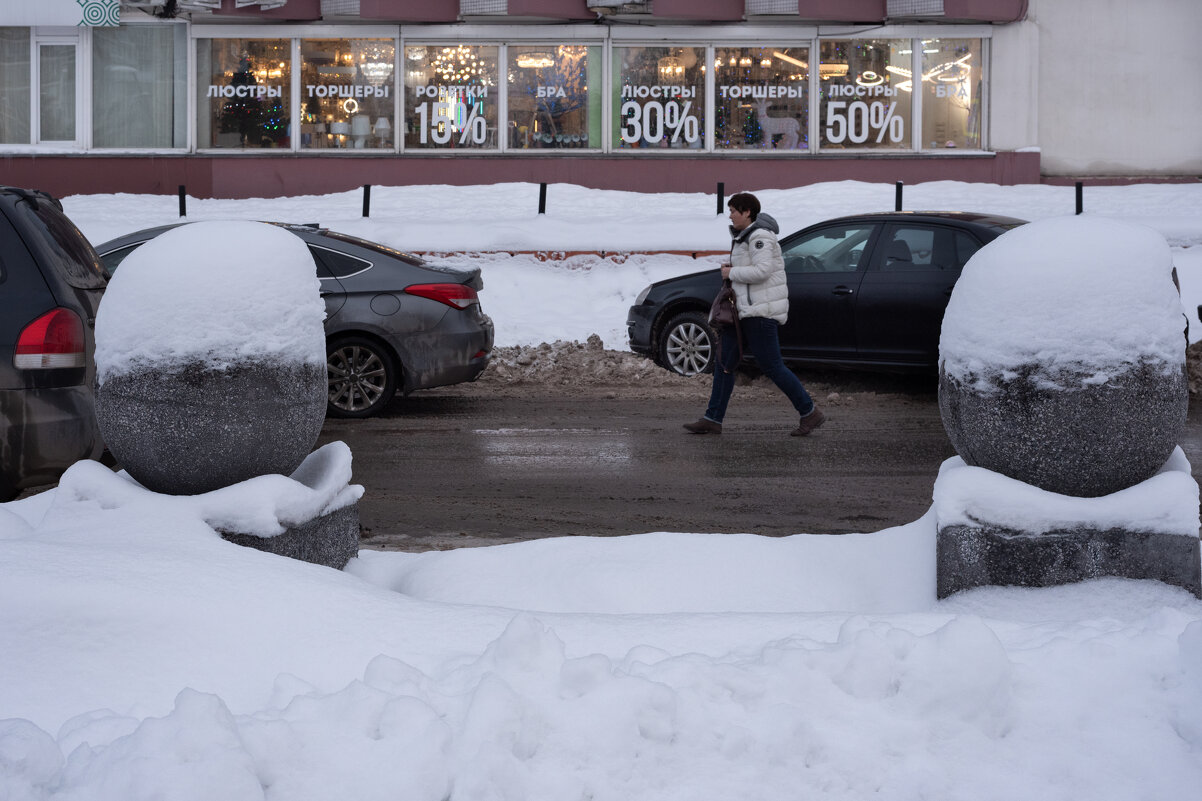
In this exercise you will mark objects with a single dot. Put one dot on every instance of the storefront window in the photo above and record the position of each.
(762, 98)
(550, 102)
(347, 93)
(659, 97)
(451, 97)
(244, 88)
(139, 86)
(951, 96)
(14, 86)
(866, 94)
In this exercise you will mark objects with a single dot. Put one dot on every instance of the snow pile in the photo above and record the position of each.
(1166, 503)
(1072, 294)
(214, 293)
(145, 657)
(573, 363)
(262, 506)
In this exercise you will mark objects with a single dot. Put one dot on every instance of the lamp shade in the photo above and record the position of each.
(383, 126)
(340, 128)
(360, 125)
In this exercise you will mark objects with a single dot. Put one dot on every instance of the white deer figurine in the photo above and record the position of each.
(771, 126)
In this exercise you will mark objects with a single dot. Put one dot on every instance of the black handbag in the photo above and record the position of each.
(724, 312)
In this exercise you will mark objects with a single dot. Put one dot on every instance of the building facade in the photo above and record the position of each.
(241, 98)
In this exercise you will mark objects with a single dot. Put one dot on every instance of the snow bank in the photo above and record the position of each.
(147, 658)
(693, 573)
(214, 293)
(1071, 293)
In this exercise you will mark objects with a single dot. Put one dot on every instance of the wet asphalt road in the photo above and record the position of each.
(447, 468)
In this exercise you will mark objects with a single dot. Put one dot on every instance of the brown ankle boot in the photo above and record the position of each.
(703, 426)
(809, 423)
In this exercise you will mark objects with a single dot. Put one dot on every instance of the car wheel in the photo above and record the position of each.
(686, 344)
(362, 377)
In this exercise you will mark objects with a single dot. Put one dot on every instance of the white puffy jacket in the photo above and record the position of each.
(758, 271)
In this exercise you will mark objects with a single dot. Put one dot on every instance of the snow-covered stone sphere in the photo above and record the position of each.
(210, 357)
(1062, 356)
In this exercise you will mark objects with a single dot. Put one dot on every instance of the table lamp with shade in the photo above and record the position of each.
(340, 130)
(360, 129)
(382, 128)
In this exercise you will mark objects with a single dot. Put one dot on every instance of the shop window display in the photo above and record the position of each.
(761, 98)
(451, 96)
(346, 91)
(244, 88)
(554, 97)
(866, 95)
(951, 93)
(659, 97)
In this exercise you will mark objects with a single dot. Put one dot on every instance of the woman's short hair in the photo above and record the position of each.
(746, 202)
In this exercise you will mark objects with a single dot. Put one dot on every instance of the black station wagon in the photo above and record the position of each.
(51, 283)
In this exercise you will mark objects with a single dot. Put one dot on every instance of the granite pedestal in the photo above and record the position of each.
(977, 555)
(329, 540)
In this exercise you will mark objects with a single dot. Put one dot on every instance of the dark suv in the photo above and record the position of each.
(51, 282)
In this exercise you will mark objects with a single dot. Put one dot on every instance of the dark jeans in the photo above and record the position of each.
(760, 339)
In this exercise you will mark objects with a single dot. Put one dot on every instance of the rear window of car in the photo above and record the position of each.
(376, 247)
(68, 250)
(337, 265)
(112, 260)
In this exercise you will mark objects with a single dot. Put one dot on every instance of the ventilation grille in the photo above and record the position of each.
(755, 7)
(914, 8)
(340, 8)
(483, 7)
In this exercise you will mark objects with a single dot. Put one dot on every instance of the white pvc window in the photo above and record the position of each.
(139, 86)
(57, 81)
(15, 82)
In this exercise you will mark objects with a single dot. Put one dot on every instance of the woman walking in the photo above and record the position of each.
(757, 273)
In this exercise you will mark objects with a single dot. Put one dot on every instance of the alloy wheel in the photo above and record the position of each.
(688, 348)
(359, 378)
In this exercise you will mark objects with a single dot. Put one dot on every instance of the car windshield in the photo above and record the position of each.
(73, 258)
(408, 258)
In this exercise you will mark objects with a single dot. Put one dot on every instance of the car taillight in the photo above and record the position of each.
(53, 341)
(455, 295)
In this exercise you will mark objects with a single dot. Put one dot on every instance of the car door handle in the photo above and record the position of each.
(842, 290)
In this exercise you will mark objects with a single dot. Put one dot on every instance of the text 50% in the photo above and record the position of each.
(856, 120)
